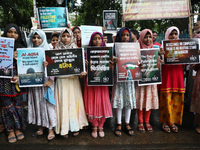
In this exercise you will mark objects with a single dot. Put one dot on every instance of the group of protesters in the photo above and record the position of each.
(76, 108)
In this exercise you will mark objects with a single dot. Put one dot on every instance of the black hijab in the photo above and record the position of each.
(19, 42)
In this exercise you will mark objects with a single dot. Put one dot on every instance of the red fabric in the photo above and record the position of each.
(172, 79)
(146, 116)
(125, 31)
(156, 43)
(97, 122)
(97, 101)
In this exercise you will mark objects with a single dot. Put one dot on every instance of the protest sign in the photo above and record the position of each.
(65, 62)
(150, 69)
(30, 67)
(100, 70)
(110, 19)
(52, 17)
(6, 57)
(183, 51)
(86, 32)
(129, 59)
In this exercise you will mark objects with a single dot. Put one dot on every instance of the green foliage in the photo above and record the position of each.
(18, 12)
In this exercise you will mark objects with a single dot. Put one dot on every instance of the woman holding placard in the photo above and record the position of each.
(171, 91)
(11, 98)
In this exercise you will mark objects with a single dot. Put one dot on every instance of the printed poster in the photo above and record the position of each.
(86, 32)
(52, 17)
(6, 57)
(181, 51)
(128, 66)
(150, 69)
(155, 9)
(30, 67)
(110, 19)
(65, 62)
(100, 70)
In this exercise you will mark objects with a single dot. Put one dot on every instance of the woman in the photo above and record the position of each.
(96, 98)
(10, 98)
(40, 111)
(146, 96)
(171, 91)
(123, 94)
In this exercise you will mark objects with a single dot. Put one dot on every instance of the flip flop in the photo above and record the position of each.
(75, 134)
(148, 127)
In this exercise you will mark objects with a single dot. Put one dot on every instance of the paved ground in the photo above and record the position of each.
(187, 138)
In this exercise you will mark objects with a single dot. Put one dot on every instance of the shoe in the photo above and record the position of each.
(118, 132)
(128, 130)
(141, 127)
(75, 134)
(174, 128)
(94, 132)
(12, 139)
(101, 133)
(148, 127)
(166, 128)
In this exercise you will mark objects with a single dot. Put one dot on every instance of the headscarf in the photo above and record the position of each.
(169, 30)
(119, 35)
(78, 42)
(19, 43)
(92, 36)
(41, 33)
(72, 43)
(142, 35)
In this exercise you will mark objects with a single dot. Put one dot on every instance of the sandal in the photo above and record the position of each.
(65, 136)
(94, 132)
(148, 127)
(141, 127)
(19, 135)
(129, 130)
(198, 129)
(11, 139)
(75, 133)
(166, 128)
(51, 135)
(118, 130)
(174, 128)
(101, 133)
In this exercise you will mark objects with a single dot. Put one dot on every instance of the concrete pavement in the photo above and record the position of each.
(186, 138)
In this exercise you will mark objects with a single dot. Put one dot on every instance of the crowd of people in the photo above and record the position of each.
(79, 105)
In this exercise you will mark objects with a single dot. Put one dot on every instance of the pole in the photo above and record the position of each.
(66, 11)
(34, 9)
(190, 19)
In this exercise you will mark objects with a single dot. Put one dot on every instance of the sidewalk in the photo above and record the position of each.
(187, 138)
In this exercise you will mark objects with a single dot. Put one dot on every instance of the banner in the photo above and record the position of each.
(86, 32)
(129, 59)
(154, 9)
(52, 17)
(100, 70)
(110, 19)
(34, 22)
(65, 62)
(181, 51)
(6, 57)
(30, 67)
(150, 69)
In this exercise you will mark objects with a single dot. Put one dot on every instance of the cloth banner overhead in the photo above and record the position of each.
(154, 9)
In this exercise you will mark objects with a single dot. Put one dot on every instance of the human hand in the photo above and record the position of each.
(48, 83)
(15, 54)
(45, 63)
